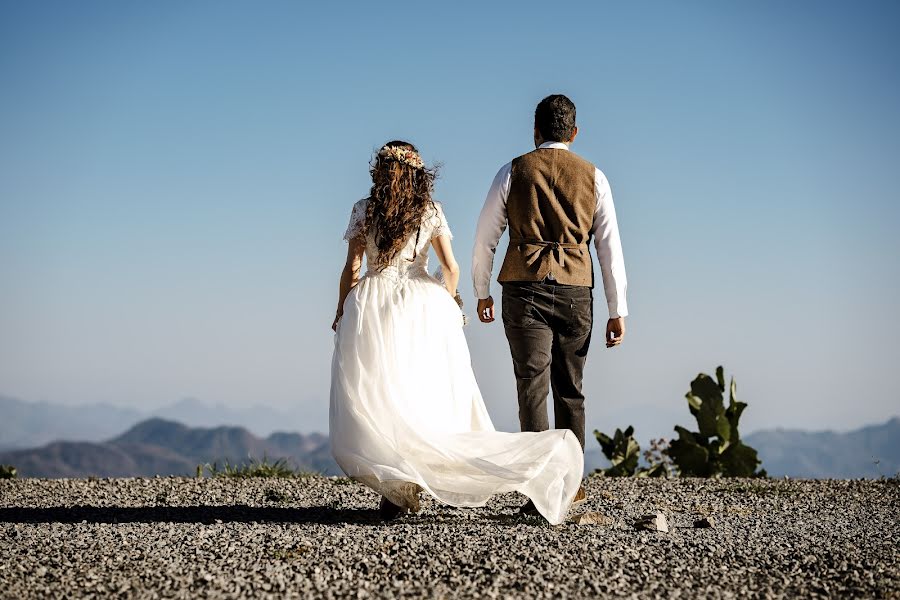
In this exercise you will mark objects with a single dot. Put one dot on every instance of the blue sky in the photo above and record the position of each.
(176, 178)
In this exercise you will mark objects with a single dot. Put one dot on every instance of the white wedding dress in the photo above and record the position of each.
(405, 406)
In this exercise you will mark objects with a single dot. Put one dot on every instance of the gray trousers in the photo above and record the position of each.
(548, 327)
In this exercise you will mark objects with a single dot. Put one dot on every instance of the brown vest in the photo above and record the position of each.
(550, 207)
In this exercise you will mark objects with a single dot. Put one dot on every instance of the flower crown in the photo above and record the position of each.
(406, 156)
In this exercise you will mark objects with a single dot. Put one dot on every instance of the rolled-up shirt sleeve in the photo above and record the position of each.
(609, 248)
(491, 225)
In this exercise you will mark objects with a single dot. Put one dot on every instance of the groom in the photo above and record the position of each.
(553, 202)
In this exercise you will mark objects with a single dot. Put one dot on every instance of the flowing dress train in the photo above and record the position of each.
(405, 408)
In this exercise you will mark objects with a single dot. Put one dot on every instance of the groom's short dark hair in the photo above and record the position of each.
(554, 118)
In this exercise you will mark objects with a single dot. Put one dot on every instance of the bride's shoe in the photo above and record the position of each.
(409, 494)
(403, 498)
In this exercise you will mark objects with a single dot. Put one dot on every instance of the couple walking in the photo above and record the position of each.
(406, 414)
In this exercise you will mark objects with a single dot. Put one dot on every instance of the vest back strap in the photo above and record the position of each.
(533, 249)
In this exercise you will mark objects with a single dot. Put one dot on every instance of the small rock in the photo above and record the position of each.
(704, 522)
(653, 522)
(592, 518)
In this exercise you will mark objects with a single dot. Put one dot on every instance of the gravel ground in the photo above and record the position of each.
(320, 537)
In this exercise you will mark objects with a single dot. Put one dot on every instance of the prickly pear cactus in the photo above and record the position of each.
(716, 449)
(622, 450)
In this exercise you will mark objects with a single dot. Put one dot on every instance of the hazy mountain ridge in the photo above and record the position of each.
(30, 424)
(171, 446)
(871, 451)
(161, 447)
(259, 419)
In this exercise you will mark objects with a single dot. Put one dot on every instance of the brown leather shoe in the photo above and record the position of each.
(580, 496)
(389, 511)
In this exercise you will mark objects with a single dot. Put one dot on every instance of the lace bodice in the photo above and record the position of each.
(413, 259)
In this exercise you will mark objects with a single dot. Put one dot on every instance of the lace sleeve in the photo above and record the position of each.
(440, 226)
(356, 227)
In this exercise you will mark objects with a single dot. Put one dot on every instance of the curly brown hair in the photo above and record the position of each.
(398, 201)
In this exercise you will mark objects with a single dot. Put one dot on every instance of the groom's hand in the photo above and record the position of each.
(615, 331)
(486, 309)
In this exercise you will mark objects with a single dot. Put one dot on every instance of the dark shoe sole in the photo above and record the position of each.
(389, 511)
(528, 509)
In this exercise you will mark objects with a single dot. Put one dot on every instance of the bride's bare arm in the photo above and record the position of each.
(444, 252)
(350, 275)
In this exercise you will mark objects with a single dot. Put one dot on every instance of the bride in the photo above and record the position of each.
(406, 413)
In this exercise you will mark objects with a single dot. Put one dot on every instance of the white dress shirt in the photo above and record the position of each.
(493, 220)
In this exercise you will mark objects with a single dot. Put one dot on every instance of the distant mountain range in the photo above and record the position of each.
(48, 440)
(29, 424)
(161, 447)
(872, 451)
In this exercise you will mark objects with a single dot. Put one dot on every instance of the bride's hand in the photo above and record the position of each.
(337, 318)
